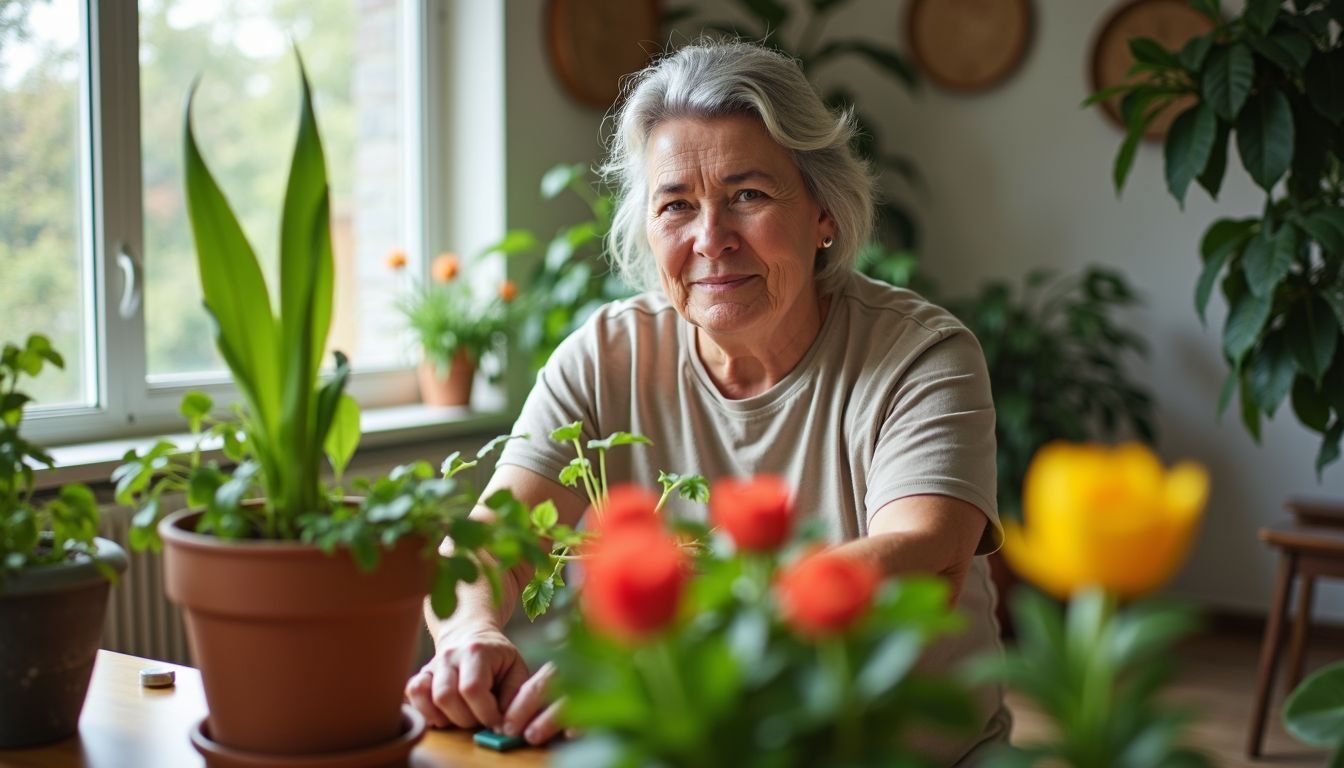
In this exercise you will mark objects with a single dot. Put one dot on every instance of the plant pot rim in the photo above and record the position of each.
(69, 574)
(178, 527)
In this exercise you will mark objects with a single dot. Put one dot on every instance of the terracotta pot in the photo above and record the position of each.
(300, 652)
(51, 619)
(452, 390)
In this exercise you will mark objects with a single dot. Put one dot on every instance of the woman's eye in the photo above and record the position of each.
(675, 205)
(748, 195)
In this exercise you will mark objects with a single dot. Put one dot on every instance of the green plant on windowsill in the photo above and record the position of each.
(1270, 75)
(1314, 711)
(1056, 354)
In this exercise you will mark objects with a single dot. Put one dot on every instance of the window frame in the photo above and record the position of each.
(127, 402)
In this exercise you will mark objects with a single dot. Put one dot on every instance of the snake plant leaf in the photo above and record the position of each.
(233, 287)
(343, 435)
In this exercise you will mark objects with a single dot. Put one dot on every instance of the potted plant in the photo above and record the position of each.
(454, 325)
(54, 575)
(302, 606)
(1270, 76)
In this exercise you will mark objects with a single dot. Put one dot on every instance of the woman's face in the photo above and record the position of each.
(733, 228)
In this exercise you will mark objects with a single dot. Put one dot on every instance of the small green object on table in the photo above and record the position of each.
(498, 741)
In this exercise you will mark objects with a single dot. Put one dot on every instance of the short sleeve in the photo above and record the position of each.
(937, 436)
(560, 396)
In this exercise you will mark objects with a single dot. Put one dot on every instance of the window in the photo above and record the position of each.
(94, 240)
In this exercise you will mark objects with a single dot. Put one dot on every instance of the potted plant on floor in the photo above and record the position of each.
(302, 606)
(54, 575)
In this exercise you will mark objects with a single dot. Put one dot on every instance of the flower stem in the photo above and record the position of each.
(836, 659)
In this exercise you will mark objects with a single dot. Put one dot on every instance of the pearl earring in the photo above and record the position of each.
(827, 243)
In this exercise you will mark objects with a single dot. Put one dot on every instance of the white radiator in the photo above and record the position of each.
(140, 620)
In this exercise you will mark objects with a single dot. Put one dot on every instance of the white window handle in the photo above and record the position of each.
(130, 282)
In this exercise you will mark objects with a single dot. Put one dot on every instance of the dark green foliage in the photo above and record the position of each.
(1056, 357)
(1271, 83)
(32, 533)
(1314, 711)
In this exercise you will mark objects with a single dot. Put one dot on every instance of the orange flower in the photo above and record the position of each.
(756, 513)
(634, 582)
(628, 506)
(825, 593)
(445, 268)
(396, 259)
(507, 291)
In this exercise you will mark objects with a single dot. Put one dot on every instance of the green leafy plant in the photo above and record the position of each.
(1314, 711)
(447, 314)
(540, 591)
(1271, 77)
(290, 418)
(772, 24)
(31, 533)
(572, 279)
(1056, 356)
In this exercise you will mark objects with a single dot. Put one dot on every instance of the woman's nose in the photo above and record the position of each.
(715, 234)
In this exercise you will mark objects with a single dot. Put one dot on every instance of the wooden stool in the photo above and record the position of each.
(1310, 544)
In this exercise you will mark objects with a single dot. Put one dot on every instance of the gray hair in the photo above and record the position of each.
(719, 78)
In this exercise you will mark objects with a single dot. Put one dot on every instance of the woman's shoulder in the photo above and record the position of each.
(620, 329)
(887, 308)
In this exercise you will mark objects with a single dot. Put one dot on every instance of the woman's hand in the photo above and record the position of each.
(532, 713)
(475, 675)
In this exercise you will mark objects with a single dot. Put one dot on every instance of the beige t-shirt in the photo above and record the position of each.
(891, 400)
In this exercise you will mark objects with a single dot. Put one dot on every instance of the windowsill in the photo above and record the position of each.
(381, 427)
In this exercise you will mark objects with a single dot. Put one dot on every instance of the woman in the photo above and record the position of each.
(740, 199)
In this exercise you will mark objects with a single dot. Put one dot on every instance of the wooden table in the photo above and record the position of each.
(127, 726)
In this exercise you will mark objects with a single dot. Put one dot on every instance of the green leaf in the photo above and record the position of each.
(1211, 178)
(1312, 335)
(1245, 319)
(1222, 239)
(1188, 147)
(1310, 404)
(443, 595)
(1265, 138)
(1227, 77)
(1150, 51)
(771, 12)
(497, 441)
(1324, 79)
(568, 433)
(884, 59)
(537, 595)
(195, 407)
(618, 438)
(1314, 712)
(1195, 50)
(343, 435)
(1326, 226)
(545, 515)
(1250, 409)
(574, 472)
(1260, 14)
(1288, 49)
(232, 285)
(888, 663)
(1228, 389)
(560, 177)
(1269, 258)
(1329, 451)
(1270, 372)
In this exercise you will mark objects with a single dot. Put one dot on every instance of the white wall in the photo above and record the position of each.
(1019, 177)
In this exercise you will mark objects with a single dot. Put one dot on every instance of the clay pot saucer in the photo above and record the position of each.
(389, 753)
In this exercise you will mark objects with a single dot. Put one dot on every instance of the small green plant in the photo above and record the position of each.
(1270, 75)
(1314, 711)
(1055, 353)
(565, 541)
(32, 533)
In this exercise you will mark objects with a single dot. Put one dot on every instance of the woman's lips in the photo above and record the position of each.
(723, 284)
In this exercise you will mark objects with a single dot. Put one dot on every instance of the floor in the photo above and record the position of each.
(1217, 679)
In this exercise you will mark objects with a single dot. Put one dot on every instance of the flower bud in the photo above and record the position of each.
(396, 259)
(825, 593)
(508, 291)
(633, 584)
(756, 513)
(445, 268)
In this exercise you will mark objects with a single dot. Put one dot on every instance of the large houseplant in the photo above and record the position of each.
(54, 574)
(302, 607)
(1270, 77)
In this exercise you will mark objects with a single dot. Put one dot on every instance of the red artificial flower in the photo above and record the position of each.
(634, 581)
(825, 593)
(628, 505)
(756, 513)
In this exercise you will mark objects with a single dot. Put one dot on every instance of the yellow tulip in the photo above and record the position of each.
(1105, 517)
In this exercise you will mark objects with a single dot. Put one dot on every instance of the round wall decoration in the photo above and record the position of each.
(593, 43)
(968, 45)
(1170, 22)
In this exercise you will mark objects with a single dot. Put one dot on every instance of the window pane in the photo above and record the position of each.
(246, 114)
(44, 263)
